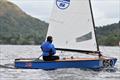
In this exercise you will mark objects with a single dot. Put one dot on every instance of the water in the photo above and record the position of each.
(9, 52)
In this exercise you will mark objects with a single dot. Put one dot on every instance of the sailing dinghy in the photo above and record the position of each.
(72, 26)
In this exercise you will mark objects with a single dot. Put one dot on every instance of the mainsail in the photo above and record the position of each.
(72, 26)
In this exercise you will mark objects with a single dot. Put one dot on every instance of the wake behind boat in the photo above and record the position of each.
(73, 29)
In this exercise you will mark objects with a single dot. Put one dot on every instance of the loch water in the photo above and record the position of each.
(8, 53)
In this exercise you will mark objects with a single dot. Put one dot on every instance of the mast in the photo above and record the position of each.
(93, 24)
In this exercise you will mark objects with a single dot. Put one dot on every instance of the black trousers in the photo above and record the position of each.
(50, 58)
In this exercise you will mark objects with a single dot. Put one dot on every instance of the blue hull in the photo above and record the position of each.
(68, 63)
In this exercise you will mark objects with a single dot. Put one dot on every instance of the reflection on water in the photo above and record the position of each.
(10, 52)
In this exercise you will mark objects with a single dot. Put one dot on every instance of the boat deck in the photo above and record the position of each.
(64, 59)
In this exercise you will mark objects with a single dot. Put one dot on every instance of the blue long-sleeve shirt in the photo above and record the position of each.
(48, 48)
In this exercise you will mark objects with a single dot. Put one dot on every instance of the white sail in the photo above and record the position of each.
(71, 25)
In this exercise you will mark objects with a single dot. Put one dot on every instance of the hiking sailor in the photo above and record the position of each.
(49, 50)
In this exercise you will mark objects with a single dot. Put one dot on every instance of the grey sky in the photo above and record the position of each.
(105, 11)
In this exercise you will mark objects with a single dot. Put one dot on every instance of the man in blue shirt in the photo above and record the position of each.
(49, 50)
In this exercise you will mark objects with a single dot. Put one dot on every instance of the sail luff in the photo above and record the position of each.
(93, 24)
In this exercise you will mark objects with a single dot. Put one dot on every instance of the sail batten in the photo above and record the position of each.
(71, 25)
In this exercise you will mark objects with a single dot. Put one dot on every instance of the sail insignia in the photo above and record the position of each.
(85, 37)
(62, 4)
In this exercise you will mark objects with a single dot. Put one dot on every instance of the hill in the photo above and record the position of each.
(17, 27)
(109, 35)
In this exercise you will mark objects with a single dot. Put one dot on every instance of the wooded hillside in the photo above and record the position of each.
(17, 27)
(109, 35)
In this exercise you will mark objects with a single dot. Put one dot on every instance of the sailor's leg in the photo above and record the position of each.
(54, 57)
(46, 58)
(50, 58)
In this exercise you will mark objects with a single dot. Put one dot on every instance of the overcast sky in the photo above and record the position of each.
(105, 11)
